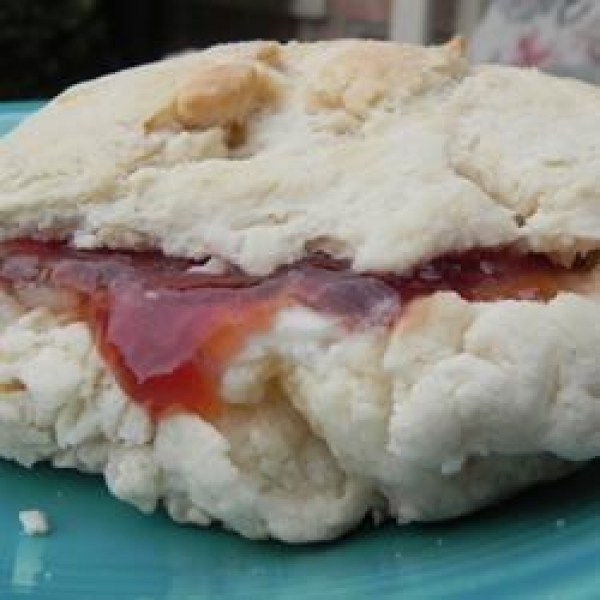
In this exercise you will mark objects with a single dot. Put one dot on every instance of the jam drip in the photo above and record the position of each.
(167, 330)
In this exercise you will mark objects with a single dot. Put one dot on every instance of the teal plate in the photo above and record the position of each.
(544, 544)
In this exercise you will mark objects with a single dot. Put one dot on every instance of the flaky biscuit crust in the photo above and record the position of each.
(261, 153)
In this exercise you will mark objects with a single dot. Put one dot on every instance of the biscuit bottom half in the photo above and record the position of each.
(292, 405)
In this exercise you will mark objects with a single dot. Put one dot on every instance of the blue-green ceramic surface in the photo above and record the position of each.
(545, 544)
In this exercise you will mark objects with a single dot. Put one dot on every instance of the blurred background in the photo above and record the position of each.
(47, 45)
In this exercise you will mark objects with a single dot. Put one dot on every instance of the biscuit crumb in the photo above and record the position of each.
(34, 522)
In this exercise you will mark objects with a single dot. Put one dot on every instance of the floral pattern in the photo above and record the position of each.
(560, 36)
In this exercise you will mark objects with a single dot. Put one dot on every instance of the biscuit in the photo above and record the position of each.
(376, 172)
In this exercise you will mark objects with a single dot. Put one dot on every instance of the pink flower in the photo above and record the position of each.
(530, 53)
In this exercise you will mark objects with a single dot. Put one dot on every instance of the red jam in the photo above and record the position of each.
(168, 332)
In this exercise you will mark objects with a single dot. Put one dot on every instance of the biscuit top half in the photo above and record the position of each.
(261, 154)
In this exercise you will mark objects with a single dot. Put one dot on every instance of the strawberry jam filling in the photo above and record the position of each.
(167, 330)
